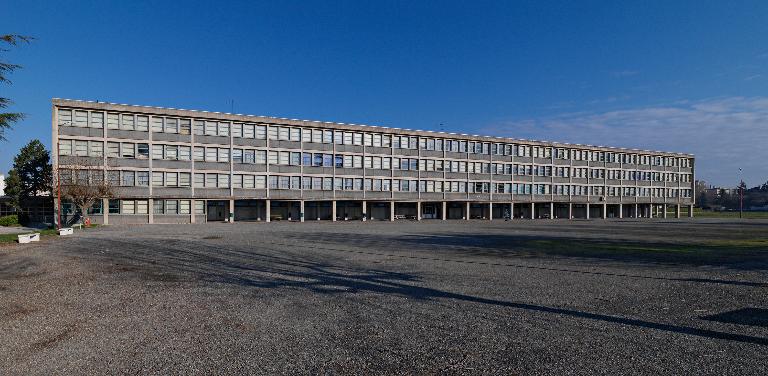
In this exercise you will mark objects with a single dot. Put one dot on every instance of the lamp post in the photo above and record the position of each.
(741, 194)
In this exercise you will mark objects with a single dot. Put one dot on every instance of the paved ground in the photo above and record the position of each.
(584, 297)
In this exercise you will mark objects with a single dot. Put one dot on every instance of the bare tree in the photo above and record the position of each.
(82, 181)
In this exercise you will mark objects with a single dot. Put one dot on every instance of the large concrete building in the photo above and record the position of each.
(180, 166)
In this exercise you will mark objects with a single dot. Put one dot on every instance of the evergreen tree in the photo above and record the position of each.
(7, 119)
(31, 174)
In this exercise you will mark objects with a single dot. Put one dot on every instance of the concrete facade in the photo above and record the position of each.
(182, 166)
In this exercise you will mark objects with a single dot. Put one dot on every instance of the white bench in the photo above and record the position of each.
(399, 216)
(28, 238)
(66, 231)
(78, 225)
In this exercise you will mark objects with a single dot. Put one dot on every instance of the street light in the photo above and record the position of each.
(741, 194)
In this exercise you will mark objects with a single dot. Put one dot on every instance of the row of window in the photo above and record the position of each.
(184, 179)
(140, 207)
(213, 154)
(95, 119)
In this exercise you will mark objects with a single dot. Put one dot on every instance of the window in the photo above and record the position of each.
(142, 178)
(127, 149)
(248, 131)
(157, 151)
(142, 151)
(157, 124)
(157, 179)
(184, 207)
(199, 127)
(142, 123)
(199, 180)
(237, 155)
(184, 179)
(199, 207)
(114, 206)
(159, 207)
(65, 117)
(65, 147)
(184, 126)
(223, 155)
(171, 152)
(295, 134)
(113, 121)
(113, 149)
(210, 128)
(81, 148)
(81, 119)
(261, 132)
(96, 149)
(127, 122)
(211, 154)
(184, 153)
(142, 207)
(261, 156)
(129, 178)
(223, 129)
(171, 207)
(171, 125)
(171, 179)
(223, 181)
(97, 120)
(128, 207)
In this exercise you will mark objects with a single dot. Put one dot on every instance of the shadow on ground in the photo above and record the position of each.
(264, 267)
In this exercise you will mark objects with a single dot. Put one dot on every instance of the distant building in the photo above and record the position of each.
(186, 166)
(2, 185)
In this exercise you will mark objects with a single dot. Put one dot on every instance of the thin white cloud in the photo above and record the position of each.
(753, 77)
(725, 134)
(624, 73)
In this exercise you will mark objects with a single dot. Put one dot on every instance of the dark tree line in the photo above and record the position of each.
(729, 198)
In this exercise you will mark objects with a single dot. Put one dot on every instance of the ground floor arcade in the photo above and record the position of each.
(379, 210)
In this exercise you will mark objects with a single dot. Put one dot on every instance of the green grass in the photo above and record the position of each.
(12, 238)
(697, 212)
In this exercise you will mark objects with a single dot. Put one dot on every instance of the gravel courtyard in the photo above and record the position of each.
(520, 297)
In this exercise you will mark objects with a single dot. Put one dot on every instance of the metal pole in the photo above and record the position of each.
(58, 194)
(741, 194)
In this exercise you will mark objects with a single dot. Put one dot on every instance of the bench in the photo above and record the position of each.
(399, 216)
(66, 231)
(78, 225)
(28, 238)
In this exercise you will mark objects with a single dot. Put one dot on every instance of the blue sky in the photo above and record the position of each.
(688, 76)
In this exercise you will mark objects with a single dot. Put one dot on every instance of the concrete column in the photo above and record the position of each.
(301, 210)
(621, 211)
(418, 210)
(690, 211)
(533, 210)
(490, 211)
(333, 210)
(466, 211)
(587, 211)
(445, 210)
(664, 206)
(677, 211)
(511, 210)
(231, 211)
(605, 211)
(636, 211)
(570, 210)
(151, 204)
(391, 210)
(365, 211)
(551, 210)
(267, 211)
(192, 211)
(105, 210)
